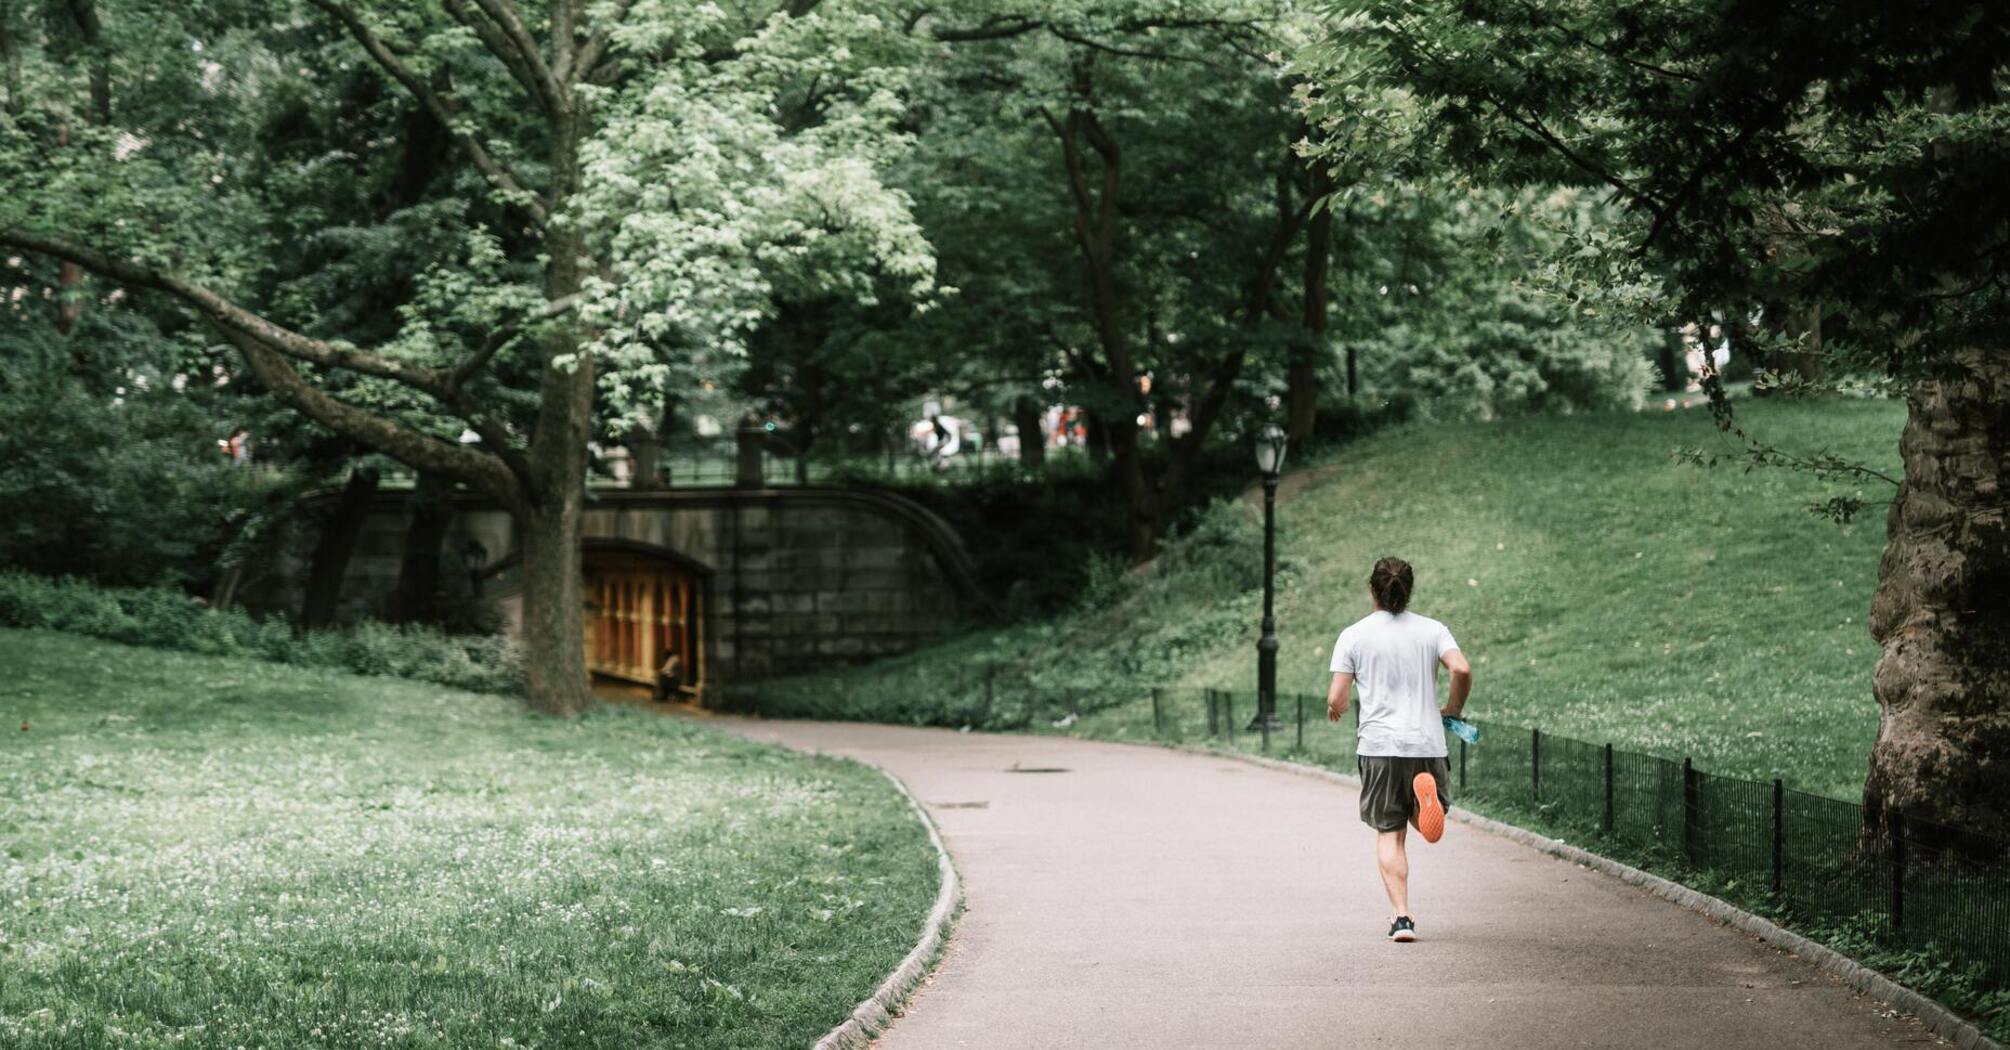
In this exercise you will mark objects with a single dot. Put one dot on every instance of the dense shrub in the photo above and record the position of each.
(125, 490)
(166, 619)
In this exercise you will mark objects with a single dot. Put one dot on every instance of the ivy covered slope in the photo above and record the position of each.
(1603, 590)
(209, 852)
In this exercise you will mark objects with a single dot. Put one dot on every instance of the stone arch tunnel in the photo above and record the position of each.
(740, 582)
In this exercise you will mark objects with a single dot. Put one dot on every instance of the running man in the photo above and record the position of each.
(1394, 655)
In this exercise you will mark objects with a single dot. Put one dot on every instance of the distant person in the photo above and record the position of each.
(237, 447)
(1394, 655)
(669, 678)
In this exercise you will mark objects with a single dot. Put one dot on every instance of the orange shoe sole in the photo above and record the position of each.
(1430, 812)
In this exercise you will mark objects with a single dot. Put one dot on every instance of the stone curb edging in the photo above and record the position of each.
(1938, 1019)
(877, 1009)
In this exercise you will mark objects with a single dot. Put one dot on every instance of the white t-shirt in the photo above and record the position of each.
(1394, 661)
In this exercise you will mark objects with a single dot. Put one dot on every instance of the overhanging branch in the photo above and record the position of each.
(394, 439)
(222, 310)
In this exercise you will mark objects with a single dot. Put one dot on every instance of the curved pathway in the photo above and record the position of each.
(1128, 896)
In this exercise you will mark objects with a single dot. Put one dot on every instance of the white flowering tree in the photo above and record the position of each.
(663, 172)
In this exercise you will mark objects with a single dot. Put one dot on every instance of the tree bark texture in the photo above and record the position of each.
(1026, 416)
(334, 547)
(1942, 608)
(1302, 379)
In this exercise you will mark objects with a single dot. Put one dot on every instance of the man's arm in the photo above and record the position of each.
(1337, 694)
(1462, 683)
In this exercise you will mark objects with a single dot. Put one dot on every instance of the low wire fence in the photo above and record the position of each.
(1810, 860)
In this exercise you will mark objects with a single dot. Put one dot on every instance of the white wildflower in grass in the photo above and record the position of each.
(210, 854)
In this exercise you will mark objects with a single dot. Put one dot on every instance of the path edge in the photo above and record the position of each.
(1938, 1019)
(877, 1010)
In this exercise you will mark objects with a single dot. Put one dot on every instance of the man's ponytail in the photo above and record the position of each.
(1391, 584)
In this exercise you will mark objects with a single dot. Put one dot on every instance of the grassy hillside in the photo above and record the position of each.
(199, 851)
(1602, 590)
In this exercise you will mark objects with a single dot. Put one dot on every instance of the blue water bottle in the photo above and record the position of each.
(1463, 729)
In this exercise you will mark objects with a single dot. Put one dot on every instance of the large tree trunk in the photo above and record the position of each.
(334, 547)
(1942, 609)
(554, 638)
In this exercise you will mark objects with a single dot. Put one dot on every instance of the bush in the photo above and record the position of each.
(165, 619)
(127, 492)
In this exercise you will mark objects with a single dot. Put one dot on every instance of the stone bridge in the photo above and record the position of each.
(752, 581)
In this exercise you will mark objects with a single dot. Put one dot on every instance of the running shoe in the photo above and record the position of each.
(1430, 812)
(1402, 930)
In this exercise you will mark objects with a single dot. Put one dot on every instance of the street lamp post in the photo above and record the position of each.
(1270, 442)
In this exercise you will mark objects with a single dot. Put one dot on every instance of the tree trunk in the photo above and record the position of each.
(416, 599)
(1670, 363)
(334, 547)
(554, 639)
(1303, 376)
(1032, 440)
(1142, 518)
(1940, 613)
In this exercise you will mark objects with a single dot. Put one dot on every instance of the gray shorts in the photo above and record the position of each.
(1388, 799)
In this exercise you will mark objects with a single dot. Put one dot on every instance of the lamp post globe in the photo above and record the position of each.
(1270, 448)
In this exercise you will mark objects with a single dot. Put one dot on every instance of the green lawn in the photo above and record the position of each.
(1603, 591)
(206, 852)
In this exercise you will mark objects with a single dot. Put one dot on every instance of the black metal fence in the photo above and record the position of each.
(1805, 859)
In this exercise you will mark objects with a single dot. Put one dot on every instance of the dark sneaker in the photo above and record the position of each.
(1403, 930)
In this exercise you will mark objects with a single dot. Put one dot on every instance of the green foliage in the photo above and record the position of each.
(167, 619)
(126, 487)
(210, 853)
(1768, 158)
(1927, 970)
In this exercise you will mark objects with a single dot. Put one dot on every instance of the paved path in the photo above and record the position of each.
(1140, 897)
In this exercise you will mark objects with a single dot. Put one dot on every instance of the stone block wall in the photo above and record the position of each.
(801, 577)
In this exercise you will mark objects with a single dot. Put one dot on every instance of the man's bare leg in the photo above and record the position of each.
(1395, 865)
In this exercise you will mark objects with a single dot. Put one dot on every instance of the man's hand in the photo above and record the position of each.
(1462, 683)
(1336, 696)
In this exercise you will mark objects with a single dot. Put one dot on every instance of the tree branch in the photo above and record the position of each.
(500, 338)
(221, 310)
(442, 109)
(244, 326)
(588, 57)
(507, 18)
(502, 48)
(394, 439)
